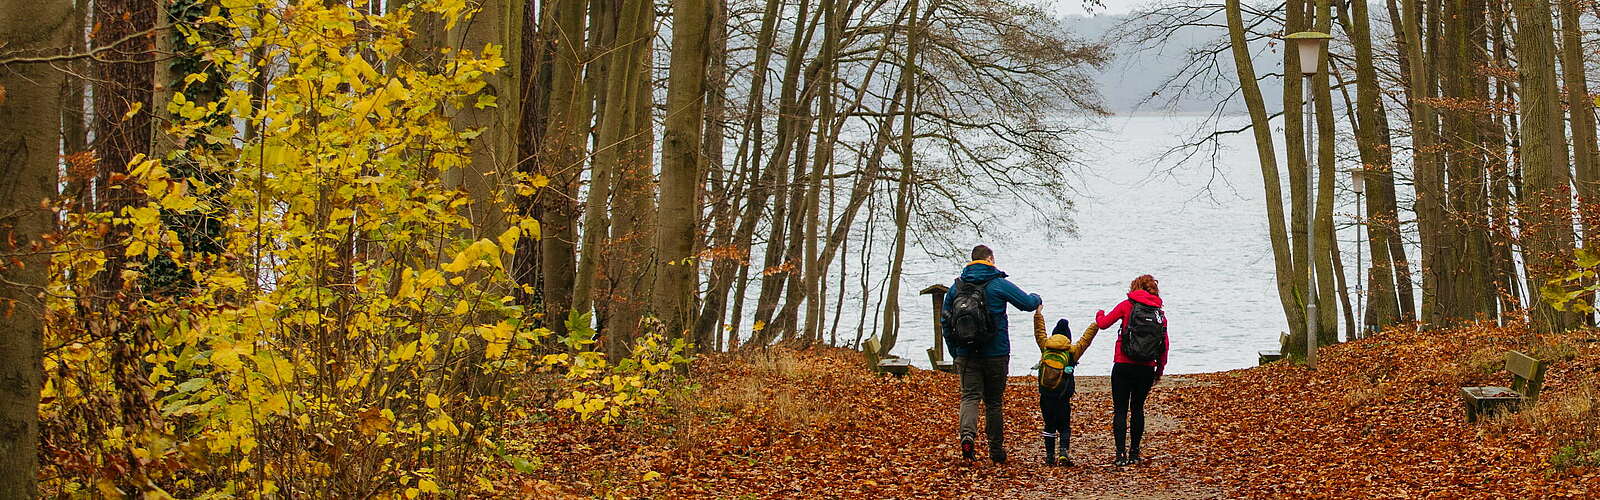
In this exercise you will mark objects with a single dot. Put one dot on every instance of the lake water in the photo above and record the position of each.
(1200, 230)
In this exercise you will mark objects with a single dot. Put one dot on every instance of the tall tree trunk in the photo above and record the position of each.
(791, 108)
(1479, 296)
(722, 214)
(538, 64)
(30, 114)
(1501, 201)
(560, 156)
(680, 163)
(822, 161)
(750, 133)
(1429, 179)
(794, 252)
(633, 260)
(499, 22)
(1377, 170)
(902, 210)
(622, 67)
(1546, 218)
(1327, 284)
(1405, 288)
(1581, 108)
(1464, 285)
(1277, 232)
(123, 87)
(1294, 123)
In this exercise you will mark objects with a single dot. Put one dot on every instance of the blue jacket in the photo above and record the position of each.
(998, 292)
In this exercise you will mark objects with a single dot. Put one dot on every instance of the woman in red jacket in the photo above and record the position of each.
(1137, 369)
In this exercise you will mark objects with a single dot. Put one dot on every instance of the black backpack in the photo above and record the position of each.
(1144, 333)
(969, 325)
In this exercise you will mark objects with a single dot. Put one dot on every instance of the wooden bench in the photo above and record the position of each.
(1264, 357)
(943, 365)
(891, 364)
(1527, 375)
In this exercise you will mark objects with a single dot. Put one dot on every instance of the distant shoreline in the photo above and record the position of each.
(1172, 114)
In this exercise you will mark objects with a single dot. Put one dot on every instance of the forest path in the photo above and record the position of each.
(1382, 417)
(1093, 476)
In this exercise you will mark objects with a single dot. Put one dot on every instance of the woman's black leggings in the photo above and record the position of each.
(1130, 384)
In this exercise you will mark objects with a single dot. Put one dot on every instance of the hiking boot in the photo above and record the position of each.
(1049, 451)
(967, 451)
(1064, 455)
(998, 457)
(1133, 456)
(1122, 459)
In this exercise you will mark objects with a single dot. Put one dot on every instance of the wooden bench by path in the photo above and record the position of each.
(1276, 354)
(1527, 375)
(894, 365)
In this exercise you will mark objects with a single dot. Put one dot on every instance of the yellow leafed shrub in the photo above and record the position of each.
(353, 329)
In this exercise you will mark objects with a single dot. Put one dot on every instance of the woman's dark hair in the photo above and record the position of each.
(1147, 283)
(982, 252)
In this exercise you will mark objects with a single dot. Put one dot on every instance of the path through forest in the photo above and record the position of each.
(1381, 417)
(1093, 476)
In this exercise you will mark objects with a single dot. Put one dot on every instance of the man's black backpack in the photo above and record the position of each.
(1144, 333)
(969, 325)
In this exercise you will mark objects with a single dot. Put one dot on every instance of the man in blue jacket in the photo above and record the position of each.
(983, 367)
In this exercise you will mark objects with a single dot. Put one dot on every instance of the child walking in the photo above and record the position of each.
(1057, 384)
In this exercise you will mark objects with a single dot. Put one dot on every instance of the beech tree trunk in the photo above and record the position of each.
(1294, 135)
(30, 114)
(1580, 107)
(1429, 179)
(1327, 283)
(791, 111)
(723, 270)
(1278, 233)
(1545, 213)
(1377, 171)
(822, 161)
(123, 80)
(561, 157)
(680, 168)
(633, 262)
(902, 209)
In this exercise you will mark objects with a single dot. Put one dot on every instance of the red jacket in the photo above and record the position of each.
(1105, 320)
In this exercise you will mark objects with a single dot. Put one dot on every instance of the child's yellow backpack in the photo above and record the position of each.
(1055, 362)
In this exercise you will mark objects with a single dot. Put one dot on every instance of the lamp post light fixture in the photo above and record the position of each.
(1358, 183)
(1311, 45)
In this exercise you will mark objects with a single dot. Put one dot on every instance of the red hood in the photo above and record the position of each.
(1145, 298)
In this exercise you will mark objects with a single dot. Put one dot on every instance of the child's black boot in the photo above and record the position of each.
(1064, 456)
(1049, 450)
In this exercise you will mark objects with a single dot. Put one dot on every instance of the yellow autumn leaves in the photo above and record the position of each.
(353, 326)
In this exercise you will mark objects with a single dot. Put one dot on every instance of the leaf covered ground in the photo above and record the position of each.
(1381, 417)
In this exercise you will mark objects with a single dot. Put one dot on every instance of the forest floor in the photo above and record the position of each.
(1381, 416)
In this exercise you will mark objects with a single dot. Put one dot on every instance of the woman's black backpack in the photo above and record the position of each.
(1144, 333)
(969, 325)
